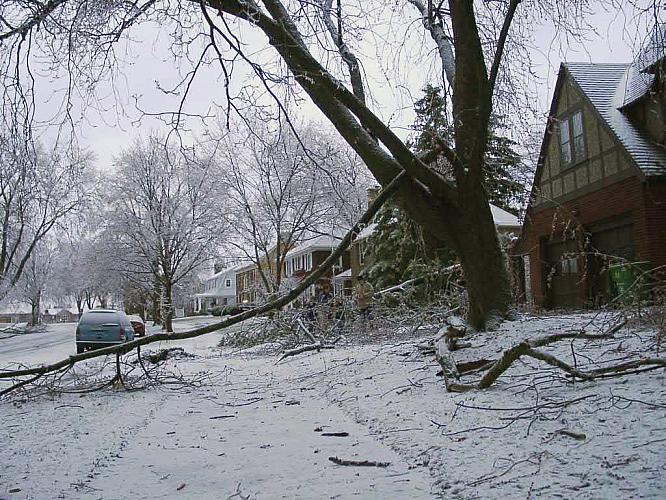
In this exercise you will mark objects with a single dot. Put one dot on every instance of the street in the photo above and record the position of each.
(54, 344)
(58, 342)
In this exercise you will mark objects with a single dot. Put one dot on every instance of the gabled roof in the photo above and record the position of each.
(228, 270)
(605, 86)
(502, 218)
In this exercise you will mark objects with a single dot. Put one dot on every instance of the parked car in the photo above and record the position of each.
(99, 328)
(138, 325)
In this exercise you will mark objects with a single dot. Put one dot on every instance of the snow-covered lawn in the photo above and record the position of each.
(257, 429)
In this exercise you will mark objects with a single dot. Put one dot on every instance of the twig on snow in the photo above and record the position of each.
(358, 463)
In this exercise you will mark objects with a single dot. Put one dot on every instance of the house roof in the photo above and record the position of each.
(228, 270)
(344, 275)
(9, 308)
(502, 218)
(608, 87)
(323, 242)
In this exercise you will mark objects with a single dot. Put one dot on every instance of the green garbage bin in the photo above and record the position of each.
(630, 281)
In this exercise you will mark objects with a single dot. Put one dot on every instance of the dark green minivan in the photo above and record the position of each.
(99, 328)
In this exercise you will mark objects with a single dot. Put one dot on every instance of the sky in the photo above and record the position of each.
(111, 123)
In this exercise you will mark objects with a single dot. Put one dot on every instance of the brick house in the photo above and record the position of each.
(599, 192)
(250, 287)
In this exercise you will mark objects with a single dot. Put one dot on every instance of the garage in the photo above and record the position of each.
(564, 274)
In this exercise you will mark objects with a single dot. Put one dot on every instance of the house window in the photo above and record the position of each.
(308, 262)
(569, 265)
(572, 139)
(227, 283)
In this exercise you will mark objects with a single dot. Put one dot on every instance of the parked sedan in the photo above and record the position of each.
(99, 328)
(138, 325)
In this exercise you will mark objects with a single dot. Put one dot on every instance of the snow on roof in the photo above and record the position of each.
(15, 308)
(343, 275)
(367, 231)
(228, 270)
(502, 218)
(323, 242)
(605, 85)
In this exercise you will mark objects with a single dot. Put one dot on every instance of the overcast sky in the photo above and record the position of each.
(148, 64)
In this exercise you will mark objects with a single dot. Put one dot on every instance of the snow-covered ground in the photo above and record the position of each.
(256, 429)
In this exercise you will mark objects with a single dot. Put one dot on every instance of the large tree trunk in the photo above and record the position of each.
(484, 267)
(471, 234)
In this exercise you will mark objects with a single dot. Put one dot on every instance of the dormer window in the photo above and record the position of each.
(572, 139)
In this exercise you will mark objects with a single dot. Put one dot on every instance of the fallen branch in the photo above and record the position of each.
(414, 281)
(318, 346)
(358, 463)
(527, 348)
(576, 435)
(449, 369)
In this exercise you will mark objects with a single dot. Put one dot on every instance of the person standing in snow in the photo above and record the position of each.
(364, 292)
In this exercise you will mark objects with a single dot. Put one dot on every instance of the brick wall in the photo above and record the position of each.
(645, 202)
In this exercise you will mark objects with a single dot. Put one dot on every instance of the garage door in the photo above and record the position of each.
(608, 246)
(564, 275)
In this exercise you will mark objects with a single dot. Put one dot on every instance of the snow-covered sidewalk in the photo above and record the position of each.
(257, 429)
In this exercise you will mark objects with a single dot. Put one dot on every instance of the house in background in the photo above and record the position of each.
(15, 312)
(599, 193)
(219, 290)
(308, 255)
(60, 315)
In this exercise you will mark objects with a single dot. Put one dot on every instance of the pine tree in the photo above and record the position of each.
(399, 249)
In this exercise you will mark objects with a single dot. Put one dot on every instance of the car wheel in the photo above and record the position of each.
(80, 349)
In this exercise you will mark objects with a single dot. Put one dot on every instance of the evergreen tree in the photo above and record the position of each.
(399, 249)
(502, 162)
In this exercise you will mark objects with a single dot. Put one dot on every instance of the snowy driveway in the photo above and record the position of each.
(257, 431)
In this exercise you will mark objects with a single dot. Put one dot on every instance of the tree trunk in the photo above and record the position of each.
(167, 307)
(34, 310)
(485, 273)
(470, 232)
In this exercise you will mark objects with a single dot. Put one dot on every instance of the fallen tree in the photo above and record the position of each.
(37, 372)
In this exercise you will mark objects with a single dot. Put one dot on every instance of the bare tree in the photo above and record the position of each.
(36, 277)
(471, 40)
(162, 213)
(283, 189)
(38, 190)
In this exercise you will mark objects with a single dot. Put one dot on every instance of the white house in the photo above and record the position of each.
(219, 289)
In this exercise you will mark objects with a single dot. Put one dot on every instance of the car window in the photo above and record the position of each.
(99, 318)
